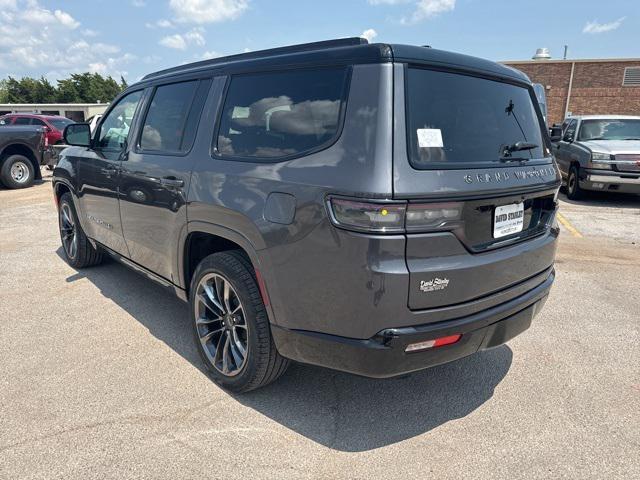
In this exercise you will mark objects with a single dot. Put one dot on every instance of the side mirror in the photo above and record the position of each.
(556, 133)
(568, 138)
(78, 135)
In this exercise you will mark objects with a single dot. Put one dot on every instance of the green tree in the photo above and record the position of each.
(79, 88)
(43, 91)
(3, 91)
(67, 92)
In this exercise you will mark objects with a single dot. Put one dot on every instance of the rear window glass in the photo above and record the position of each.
(456, 120)
(60, 123)
(282, 114)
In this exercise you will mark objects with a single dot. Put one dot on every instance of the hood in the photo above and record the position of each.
(613, 146)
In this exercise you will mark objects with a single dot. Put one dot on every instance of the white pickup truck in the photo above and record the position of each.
(598, 153)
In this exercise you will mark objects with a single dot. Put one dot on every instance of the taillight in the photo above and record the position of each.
(368, 216)
(394, 217)
(433, 216)
(46, 141)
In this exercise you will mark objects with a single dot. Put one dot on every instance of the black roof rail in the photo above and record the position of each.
(303, 47)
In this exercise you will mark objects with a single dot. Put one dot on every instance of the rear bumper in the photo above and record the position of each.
(599, 182)
(50, 156)
(383, 355)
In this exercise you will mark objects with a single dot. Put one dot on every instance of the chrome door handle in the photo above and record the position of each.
(109, 171)
(171, 182)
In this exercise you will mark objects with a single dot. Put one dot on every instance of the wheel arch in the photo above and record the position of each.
(60, 188)
(201, 239)
(579, 168)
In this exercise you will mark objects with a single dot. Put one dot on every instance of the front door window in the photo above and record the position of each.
(114, 130)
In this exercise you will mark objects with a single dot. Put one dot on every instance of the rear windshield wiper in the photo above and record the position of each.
(516, 147)
(520, 146)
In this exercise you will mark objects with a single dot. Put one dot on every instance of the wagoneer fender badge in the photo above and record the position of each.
(503, 176)
(435, 284)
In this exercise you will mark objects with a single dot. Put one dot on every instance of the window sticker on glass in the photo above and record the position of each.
(430, 138)
(241, 112)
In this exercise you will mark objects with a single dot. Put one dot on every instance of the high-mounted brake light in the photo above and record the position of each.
(437, 342)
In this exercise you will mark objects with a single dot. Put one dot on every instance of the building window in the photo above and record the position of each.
(74, 115)
(631, 77)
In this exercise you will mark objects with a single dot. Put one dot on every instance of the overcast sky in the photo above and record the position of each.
(135, 37)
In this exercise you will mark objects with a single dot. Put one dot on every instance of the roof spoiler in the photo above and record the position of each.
(304, 47)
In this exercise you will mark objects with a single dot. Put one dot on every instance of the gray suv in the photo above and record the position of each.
(599, 153)
(371, 208)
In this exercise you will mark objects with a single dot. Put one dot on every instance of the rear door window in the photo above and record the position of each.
(22, 121)
(458, 121)
(278, 115)
(165, 126)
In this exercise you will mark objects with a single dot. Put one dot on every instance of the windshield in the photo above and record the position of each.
(610, 129)
(457, 120)
(60, 123)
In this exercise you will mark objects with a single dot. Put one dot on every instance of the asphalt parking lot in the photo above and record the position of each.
(99, 378)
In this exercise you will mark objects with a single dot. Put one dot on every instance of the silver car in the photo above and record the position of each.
(599, 153)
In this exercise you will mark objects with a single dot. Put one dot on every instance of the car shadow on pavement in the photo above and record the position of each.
(35, 182)
(338, 410)
(604, 199)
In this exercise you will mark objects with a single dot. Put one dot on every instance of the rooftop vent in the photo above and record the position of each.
(542, 54)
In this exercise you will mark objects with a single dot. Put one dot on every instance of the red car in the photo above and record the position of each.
(53, 124)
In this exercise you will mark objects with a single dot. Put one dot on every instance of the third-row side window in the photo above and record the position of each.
(281, 114)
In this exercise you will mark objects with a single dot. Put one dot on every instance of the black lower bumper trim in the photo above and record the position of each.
(384, 354)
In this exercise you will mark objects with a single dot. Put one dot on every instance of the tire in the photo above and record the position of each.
(17, 171)
(218, 334)
(574, 192)
(78, 251)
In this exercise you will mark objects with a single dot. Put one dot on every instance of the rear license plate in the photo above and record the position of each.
(508, 219)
